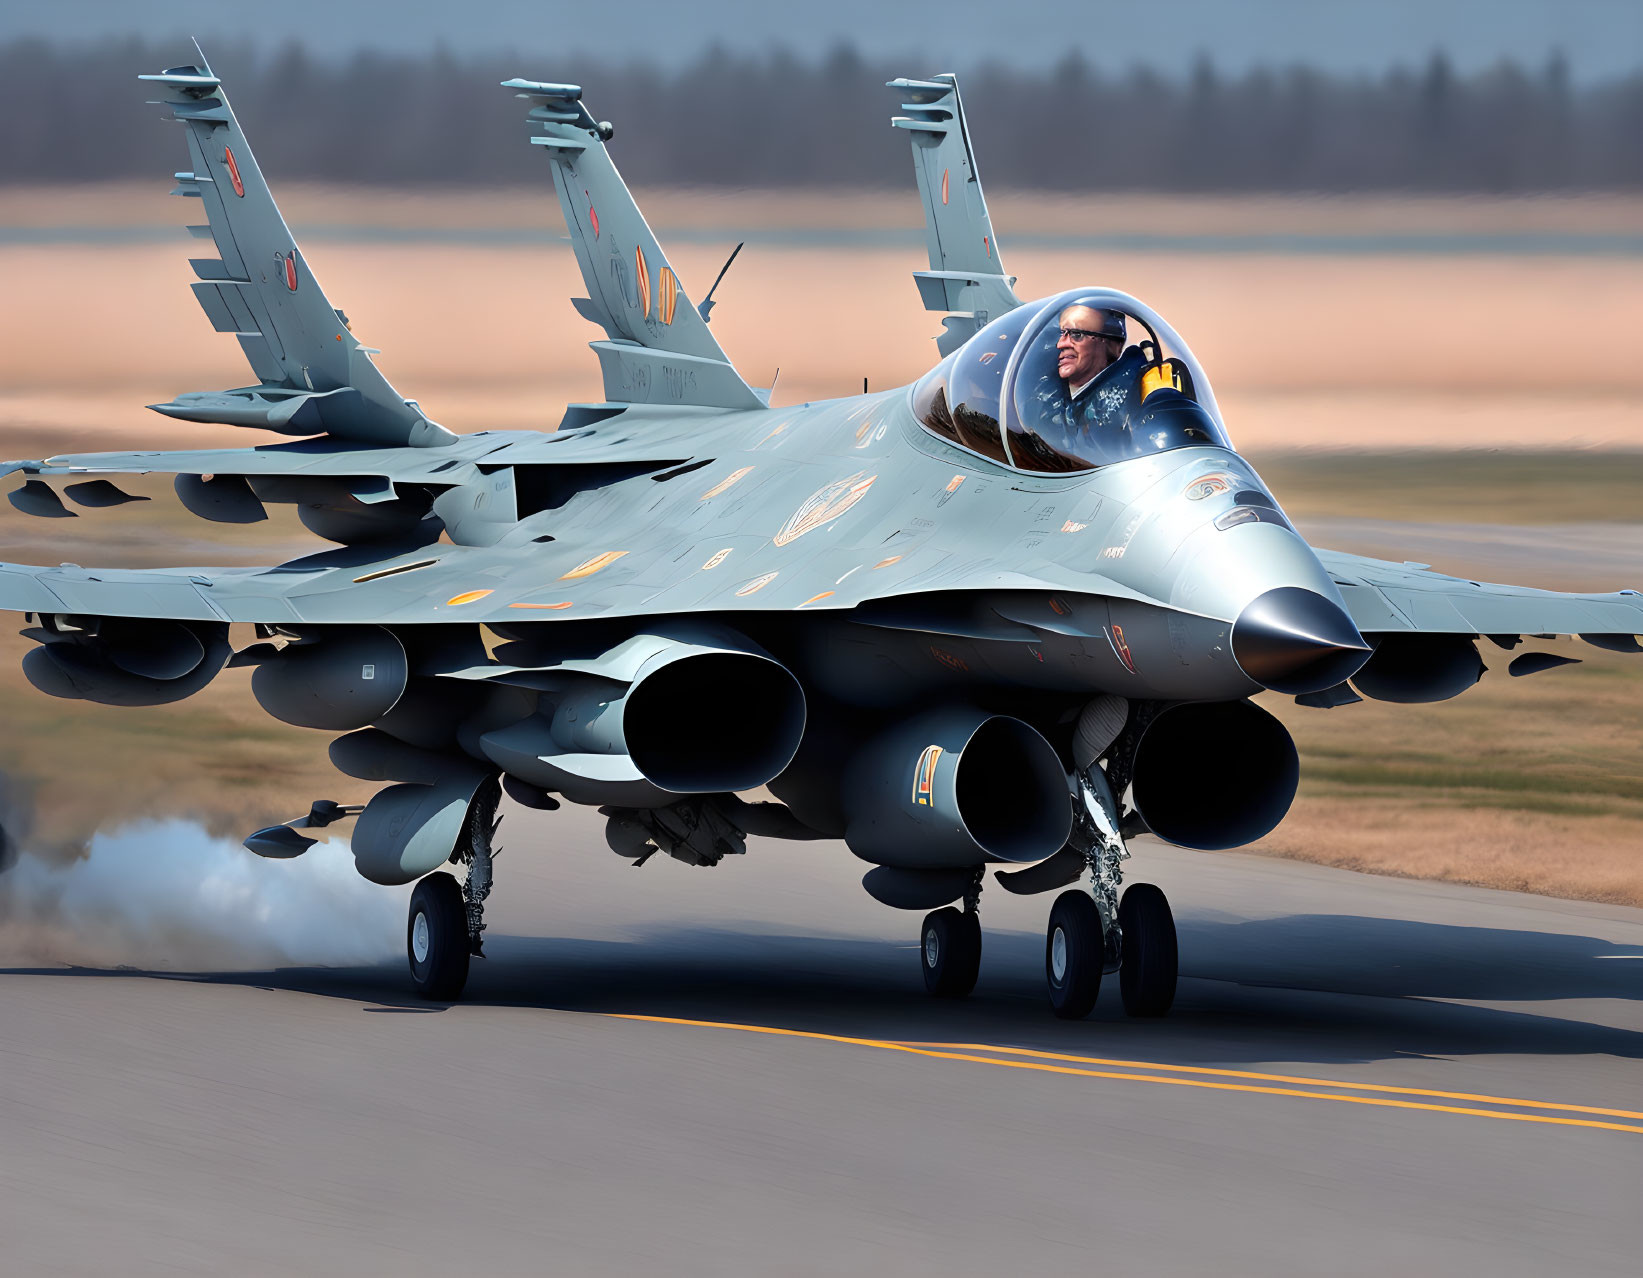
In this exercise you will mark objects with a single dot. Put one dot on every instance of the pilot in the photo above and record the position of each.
(1102, 378)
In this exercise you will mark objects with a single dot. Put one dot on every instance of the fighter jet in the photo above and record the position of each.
(997, 623)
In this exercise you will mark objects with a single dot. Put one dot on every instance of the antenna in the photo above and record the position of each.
(706, 305)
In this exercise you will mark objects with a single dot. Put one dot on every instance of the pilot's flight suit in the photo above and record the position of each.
(1096, 424)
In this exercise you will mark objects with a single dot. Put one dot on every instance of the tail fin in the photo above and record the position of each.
(658, 349)
(314, 376)
(965, 275)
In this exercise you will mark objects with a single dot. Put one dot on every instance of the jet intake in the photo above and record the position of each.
(656, 717)
(125, 661)
(1214, 775)
(955, 788)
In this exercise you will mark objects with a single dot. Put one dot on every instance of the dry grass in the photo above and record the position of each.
(1575, 486)
(1534, 784)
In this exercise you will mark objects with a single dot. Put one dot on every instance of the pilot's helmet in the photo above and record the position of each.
(1112, 324)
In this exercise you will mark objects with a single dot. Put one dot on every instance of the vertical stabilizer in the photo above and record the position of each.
(966, 276)
(657, 347)
(314, 377)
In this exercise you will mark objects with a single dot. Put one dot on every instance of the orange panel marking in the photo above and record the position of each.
(590, 566)
(642, 271)
(735, 477)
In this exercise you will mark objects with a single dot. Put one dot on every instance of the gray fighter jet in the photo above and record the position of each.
(1003, 619)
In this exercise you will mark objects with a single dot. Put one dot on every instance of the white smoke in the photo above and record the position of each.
(167, 895)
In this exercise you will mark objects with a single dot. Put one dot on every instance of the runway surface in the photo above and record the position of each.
(677, 1070)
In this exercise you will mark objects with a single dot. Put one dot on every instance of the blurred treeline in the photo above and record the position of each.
(780, 120)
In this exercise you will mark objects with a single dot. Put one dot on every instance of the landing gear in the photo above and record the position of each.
(447, 923)
(952, 952)
(1074, 950)
(1151, 960)
(436, 938)
(1098, 932)
(950, 946)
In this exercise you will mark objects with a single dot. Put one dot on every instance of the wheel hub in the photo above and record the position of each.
(932, 947)
(1058, 956)
(419, 937)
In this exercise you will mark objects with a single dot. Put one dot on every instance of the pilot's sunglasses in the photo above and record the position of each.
(1078, 334)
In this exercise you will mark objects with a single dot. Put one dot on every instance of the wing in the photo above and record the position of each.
(1388, 599)
(657, 347)
(1424, 626)
(313, 376)
(965, 275)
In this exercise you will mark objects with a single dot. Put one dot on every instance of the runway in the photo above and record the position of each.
(690, 1071)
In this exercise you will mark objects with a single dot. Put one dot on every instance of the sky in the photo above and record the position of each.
(1600, 39)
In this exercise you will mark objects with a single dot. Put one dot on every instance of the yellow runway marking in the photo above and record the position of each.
(1169, 1075)
(1290, 1078)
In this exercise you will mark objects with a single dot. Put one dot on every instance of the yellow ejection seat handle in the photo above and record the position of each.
(1160, 376)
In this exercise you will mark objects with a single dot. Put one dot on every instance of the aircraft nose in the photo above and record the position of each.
(1294, 640)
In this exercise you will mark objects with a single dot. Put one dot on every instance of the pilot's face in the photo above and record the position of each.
(1080, 358)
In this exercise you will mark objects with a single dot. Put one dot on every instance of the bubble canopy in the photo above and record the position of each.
(1070, 383)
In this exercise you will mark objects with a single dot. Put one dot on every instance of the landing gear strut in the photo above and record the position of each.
(950, 945)
(1100, 932)
(447, 922)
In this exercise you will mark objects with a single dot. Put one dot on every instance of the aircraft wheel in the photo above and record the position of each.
(1073, 954)
(436, 938)
(951, 952)
(1151, 959)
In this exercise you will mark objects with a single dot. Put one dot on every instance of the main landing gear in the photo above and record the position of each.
(951, 944)
(447, 922)
(1091, 934)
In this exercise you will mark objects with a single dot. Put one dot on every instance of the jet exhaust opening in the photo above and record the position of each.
(1012, 792)
(1215, 775)
(717, 721)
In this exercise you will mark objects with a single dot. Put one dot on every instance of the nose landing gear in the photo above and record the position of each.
(1095, 933)
(1148, 972)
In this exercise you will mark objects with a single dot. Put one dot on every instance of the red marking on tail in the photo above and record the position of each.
(233, 172)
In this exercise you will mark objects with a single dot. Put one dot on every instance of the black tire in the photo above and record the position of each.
(950, 950)
(1073, 955)
(442, 968)
(1151, 958)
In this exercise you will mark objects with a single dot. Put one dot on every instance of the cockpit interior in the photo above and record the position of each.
(1071, 383)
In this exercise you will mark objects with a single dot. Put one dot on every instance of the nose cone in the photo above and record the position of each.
(1295, 640)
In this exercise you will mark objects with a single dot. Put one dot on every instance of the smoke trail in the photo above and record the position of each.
(168, 895)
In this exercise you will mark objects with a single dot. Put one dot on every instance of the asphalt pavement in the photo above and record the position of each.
(736, 1070)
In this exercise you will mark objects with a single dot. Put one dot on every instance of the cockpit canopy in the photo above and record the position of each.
(1069, 383)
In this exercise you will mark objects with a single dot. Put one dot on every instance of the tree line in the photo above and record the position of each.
(784, 120)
